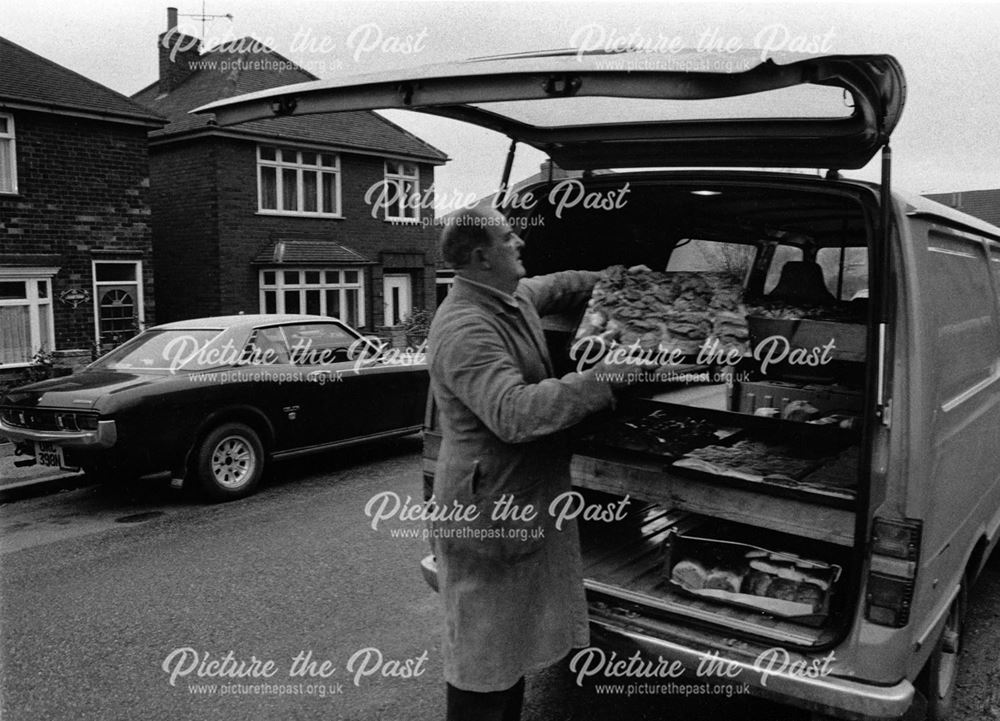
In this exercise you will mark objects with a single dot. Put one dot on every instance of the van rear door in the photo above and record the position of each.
(746, 112)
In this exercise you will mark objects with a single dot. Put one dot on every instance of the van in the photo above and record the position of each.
(815, 490)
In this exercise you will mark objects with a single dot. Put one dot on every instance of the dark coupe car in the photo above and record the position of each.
(215, 399)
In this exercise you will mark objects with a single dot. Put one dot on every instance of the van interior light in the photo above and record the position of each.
(706, 192)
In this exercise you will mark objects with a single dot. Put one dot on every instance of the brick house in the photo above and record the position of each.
(271, 216)
(984, 204)
(75, 236)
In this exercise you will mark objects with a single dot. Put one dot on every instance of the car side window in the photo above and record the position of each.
(267, 346)
(314, 344)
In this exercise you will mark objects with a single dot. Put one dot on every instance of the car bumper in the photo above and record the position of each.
(104, 436)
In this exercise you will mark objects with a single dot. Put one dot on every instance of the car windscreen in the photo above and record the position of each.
(160, 351)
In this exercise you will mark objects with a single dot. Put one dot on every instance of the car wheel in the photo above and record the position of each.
(939, 678)
(229, 462)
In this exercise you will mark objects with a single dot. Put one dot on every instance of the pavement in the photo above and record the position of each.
(35, 480)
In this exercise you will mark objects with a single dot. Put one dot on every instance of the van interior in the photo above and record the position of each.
(744, 472)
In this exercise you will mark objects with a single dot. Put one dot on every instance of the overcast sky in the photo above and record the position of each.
(948, 139)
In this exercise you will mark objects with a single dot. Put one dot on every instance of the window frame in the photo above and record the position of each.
(140, 315)
(31, 277)
(395, 179)
(10, 137)
(300, 169)
(281, 286)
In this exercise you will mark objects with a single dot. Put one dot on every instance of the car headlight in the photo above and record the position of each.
(86, 422)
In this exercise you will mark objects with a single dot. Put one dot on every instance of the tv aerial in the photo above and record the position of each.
(203, 17)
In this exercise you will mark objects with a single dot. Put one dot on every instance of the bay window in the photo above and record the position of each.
(334, 292)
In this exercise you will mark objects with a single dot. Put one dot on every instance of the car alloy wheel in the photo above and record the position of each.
(229, 462)
(233, 462)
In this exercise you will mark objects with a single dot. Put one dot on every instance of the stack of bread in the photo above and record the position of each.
(802, 584)
(668, 311)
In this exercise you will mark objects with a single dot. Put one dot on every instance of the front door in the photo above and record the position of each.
(397, 298)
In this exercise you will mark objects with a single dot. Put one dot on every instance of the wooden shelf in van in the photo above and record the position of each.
(808, 513)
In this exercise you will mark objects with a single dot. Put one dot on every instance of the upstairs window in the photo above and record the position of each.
(402, 196)
(8, 155)
(298, 182)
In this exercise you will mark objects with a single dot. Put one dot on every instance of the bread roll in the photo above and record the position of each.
(757, 583)
(807, 593)
(689, 574)
(725, 580)
(783, 588)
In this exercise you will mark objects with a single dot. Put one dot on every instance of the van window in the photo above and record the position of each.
(855, 283)
(964, 312)
(995, 264)
(782, 255)
(711, 256)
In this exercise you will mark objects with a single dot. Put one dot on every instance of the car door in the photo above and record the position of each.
(272, 383)
(344, 397)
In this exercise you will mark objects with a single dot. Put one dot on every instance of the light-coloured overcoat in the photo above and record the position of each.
(512, 587)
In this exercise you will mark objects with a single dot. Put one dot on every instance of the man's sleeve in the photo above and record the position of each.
(560, 292)
(477, 367)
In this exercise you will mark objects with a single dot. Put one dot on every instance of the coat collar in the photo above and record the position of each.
(495, 300)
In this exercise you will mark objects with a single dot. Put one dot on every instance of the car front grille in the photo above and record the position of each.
(48, 420)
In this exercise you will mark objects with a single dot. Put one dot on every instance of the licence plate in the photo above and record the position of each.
(49, 454)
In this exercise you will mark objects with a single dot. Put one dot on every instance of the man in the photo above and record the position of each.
(511, 583)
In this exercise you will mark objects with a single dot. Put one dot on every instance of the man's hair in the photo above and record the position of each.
(465, 231)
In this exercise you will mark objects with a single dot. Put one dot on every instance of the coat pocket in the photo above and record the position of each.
(502, 527)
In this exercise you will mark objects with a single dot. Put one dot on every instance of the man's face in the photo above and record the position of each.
(504, 250)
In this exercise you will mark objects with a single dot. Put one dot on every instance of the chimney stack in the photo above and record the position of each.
(176, 50)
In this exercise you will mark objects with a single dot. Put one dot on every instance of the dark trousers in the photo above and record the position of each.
(488, 706)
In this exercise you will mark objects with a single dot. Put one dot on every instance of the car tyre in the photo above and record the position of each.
(229, 462)
(939, 678)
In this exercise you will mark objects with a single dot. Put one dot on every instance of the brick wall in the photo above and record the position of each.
(184, 200)
(198, 276)
(83, 195)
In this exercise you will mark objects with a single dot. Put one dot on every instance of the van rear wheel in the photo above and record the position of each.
(939, 678)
